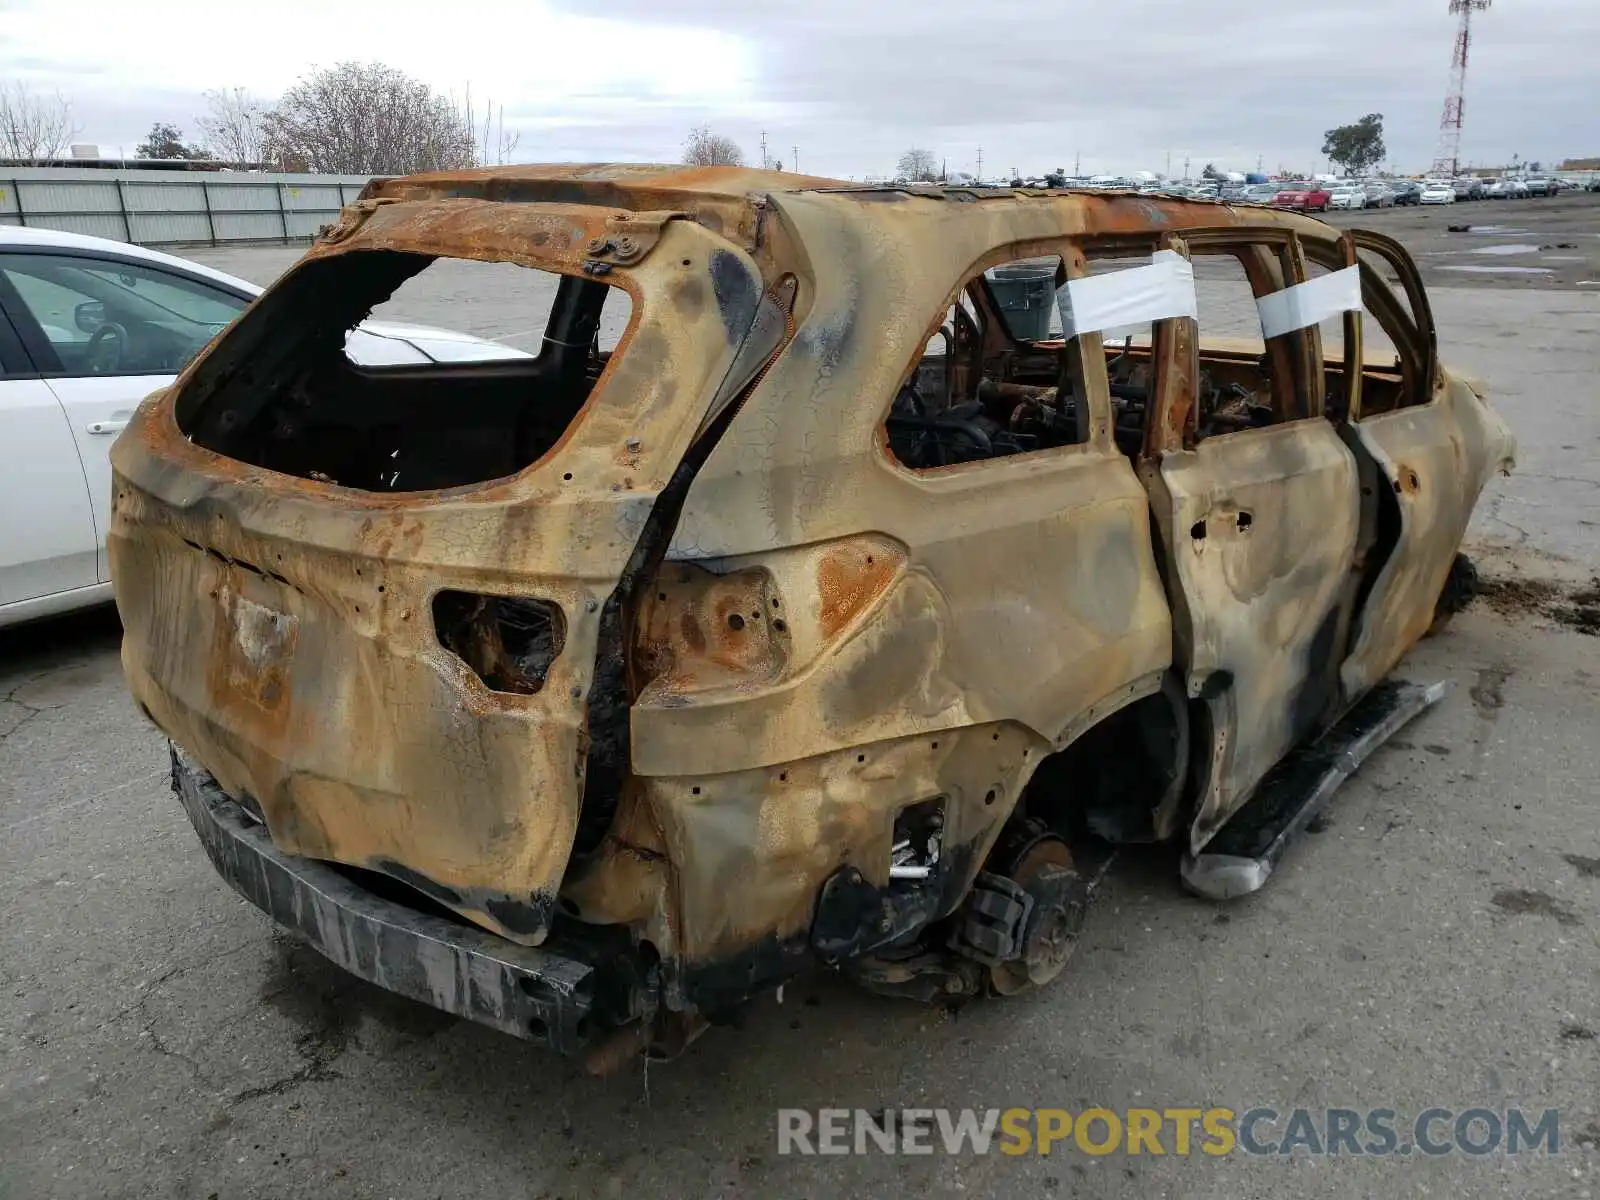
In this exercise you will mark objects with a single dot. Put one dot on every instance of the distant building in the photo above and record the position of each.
(1580, 164)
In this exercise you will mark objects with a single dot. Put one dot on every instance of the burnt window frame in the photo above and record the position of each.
(254, 346)
(1273, 259)
(1417, 343)
(1337, 255)
(994, 337)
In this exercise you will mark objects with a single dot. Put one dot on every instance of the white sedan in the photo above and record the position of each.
(1347, 195)
(1438, 191)
(88, 328)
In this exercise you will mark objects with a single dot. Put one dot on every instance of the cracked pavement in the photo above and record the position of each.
(1434, 942)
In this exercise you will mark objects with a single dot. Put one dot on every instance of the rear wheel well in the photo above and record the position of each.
(1123, 779)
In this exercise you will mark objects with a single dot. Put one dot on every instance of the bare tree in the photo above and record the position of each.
(368, 119)
(919, 166)
(703, 148)
(234, 128)
(508, 145)
(494, 145)
(33, 129)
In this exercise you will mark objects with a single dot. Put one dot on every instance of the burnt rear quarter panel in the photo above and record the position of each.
(1014, 599)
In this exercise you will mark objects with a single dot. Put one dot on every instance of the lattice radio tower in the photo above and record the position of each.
(1448, 160)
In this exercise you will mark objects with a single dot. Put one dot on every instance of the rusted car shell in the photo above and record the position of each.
(831, 637)
(378, 747)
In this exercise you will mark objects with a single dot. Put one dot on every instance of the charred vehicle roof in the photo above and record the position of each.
(847, 572)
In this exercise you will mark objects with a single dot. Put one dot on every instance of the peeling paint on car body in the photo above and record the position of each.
(823, 639)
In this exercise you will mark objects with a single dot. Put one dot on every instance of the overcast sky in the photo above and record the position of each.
(855, 82)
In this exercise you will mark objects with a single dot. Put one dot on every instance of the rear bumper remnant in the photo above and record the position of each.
(530, 993)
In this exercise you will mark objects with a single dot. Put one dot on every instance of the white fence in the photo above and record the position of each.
(170, 207)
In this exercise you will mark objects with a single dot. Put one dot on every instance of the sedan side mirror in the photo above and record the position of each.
(89, 315)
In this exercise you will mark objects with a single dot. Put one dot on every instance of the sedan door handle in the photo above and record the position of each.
(106, 427)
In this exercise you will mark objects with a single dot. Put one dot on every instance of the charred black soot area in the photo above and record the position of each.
(738, 293)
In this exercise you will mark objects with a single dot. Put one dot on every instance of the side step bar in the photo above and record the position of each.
(1240, 858)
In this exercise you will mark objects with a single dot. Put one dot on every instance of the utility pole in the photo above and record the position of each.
(765, 161)
(1448, 159)
(794, 164)
(980, 164)
(1168, 172)
(1186, 168)
(1076, 162)
(1259, 160)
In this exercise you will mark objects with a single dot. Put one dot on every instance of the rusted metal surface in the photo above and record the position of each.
(1435, 458)
(1259, 532)
(823, 639)
(380, 748)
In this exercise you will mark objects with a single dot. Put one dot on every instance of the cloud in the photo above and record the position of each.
(1124, 85)
(853, 84)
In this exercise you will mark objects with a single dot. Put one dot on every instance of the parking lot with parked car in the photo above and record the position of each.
(1429, 943)
(1302, 196)
(88, 328)
(1539, 244)
(1347, 195)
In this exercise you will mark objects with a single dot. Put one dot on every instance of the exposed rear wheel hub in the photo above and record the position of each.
(1043, 869)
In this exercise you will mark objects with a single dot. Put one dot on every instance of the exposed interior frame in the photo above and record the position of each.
(1354, 365)
(982, 336)
(1272, 259)
(282, 370)
(1413, 333)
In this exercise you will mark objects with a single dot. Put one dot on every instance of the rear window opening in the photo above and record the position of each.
(995, 379)
(388, 371)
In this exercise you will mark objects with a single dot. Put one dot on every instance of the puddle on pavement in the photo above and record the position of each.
(1497, 231)
(1501, 270)
(1507, 248)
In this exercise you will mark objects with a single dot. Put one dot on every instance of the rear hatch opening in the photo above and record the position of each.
(291, 400)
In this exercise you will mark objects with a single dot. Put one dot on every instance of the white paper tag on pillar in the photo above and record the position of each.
(1310, 303)
(1134, 297)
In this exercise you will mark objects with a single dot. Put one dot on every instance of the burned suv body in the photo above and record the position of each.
(835, 614)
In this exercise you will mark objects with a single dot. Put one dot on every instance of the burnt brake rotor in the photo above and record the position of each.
(1050, 933)
(1016, 929)
(1054, 895)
